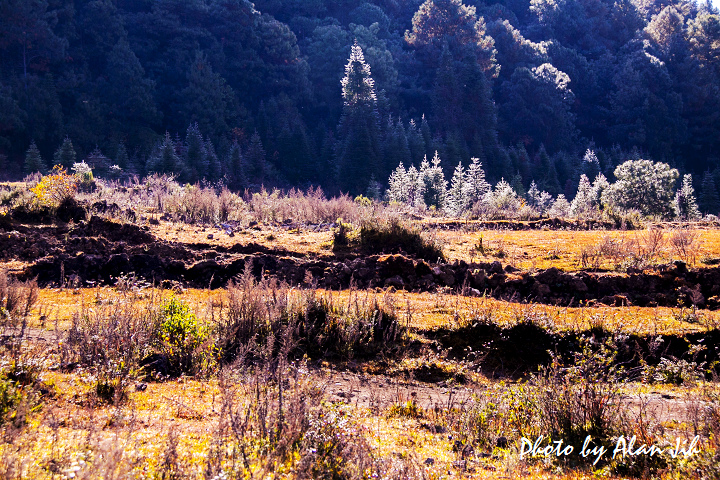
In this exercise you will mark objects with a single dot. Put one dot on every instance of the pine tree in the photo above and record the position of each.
(709, 199)
(434, 185)
(164, 159)
(684, 204)
(195, 156)
(475, 185)
(214, 171)
(236, 170)
(359, 151)
(533, 194)
(414, 187)
(456, 199)
(256, 160)
(398, 186)
(561, 208)
(121, 156)
(33, 160)
(65, 155)
(584, 204)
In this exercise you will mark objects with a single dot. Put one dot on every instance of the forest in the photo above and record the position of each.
(339, 93)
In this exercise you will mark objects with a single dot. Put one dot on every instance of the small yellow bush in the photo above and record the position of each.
(55, 187)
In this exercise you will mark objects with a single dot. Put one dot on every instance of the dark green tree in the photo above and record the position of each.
(34, 161)
(65, 155)
(358, 150)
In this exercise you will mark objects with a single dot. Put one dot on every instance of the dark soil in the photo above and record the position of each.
(100, 250)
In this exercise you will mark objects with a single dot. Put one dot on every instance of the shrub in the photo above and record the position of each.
(55, 188)
(643, 185)
(581, 398)
(388, 236)
(182, 341)
(267, 319)
(10, 398)
(84, 175)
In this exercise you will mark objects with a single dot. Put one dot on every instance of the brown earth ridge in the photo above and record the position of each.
(100, 250)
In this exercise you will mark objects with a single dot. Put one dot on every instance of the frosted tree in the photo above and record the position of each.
(585, 203)
(359, 152)
(456, 199)
(539, 201)
(433, 183)
(599, 186)
(561, 207)
(398, 187)
(644, 186)
(475, 186)
(414, 186)
(502, 202)
(684, 204)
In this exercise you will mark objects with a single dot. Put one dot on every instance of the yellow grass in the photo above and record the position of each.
(541, 249)
(419, 311)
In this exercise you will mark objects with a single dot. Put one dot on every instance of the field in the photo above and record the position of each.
(179, 333)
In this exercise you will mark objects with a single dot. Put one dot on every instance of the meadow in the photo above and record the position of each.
(151, 330)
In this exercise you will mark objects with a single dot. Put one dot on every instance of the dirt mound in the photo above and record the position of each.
(100, 250)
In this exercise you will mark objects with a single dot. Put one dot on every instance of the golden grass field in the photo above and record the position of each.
(179, 419)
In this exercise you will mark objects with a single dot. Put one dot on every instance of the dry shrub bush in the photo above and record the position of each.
(195, 204)
(685, 244)
(389, 234)
(581, 398)
(111, 340)
(267, 313)
(646, 248)
(303, 207)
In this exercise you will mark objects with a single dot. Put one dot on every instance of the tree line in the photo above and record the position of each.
(339, 93)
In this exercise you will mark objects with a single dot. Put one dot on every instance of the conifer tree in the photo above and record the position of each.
(359, 151)
(65, 155)
(121, 156)
(164, 159)
(433, 183)
(709, 200)
(256, 160)
(33, 160)
(456, 199)
(475, 185)
(685, 204)
(398, 186)
(236, 170)
(195, 157)
(585, 202)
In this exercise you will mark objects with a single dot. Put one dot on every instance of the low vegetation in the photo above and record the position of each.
(268, 374)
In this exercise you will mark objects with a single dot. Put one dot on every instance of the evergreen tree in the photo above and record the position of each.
(398, 185)
(584, 204)
(121, 157)
(256, 161)
(359, 152)
(643, 185)
(65, 155)
(415, 187)
(561, 208)
(33, 160)
(164, 159)
(214, 168)
(456, 199)
(709, 199)
(195, 156)
(684, 204)
(236, 170)
(475, 186)
(433, 183)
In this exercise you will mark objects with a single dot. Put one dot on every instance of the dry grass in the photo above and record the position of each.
(418, 311)
(541, 249)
